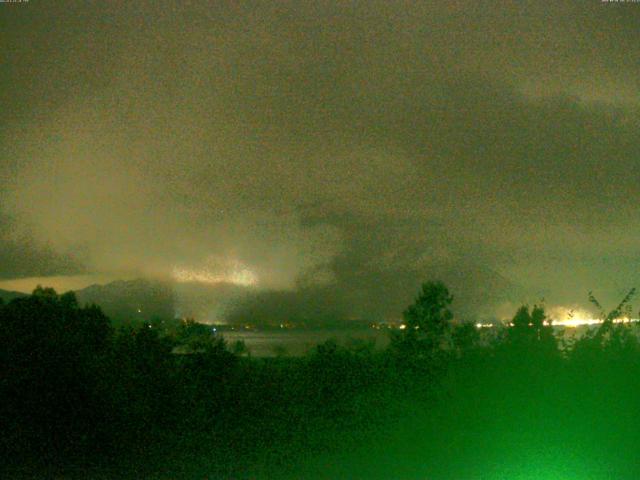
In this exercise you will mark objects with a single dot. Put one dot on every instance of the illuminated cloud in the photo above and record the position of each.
(230, 272)
(327, 144)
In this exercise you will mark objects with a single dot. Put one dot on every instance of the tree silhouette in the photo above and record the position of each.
(465, 337)
(52, 363)
(622, 309)
(609, 336)
(427, 324)
(531, 333)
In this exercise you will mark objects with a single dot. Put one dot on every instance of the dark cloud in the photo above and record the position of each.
(330, 147)
(23, 256)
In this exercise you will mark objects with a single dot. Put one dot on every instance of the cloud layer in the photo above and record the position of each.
(325, 144)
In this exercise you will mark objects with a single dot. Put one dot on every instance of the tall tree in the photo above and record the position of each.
(427, 322)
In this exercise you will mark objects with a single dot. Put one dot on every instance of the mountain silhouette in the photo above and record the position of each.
(131, 301)
(8, 295)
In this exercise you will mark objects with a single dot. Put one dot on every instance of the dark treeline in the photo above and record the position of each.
(80, 399)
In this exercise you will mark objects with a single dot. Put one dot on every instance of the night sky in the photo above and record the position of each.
(341, 151)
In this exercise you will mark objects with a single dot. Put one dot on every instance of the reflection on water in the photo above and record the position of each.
(299, 342)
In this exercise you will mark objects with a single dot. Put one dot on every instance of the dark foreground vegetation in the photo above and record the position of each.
(79, 399)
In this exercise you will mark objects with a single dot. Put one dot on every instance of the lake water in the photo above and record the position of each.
(299, 342)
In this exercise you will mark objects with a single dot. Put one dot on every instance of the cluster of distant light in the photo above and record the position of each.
(572, 322)
(576, 322)
(237, 275)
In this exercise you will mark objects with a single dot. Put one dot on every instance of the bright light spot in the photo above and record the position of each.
(578, 321)
(403, 326)
(572, 318)
(484, 325)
